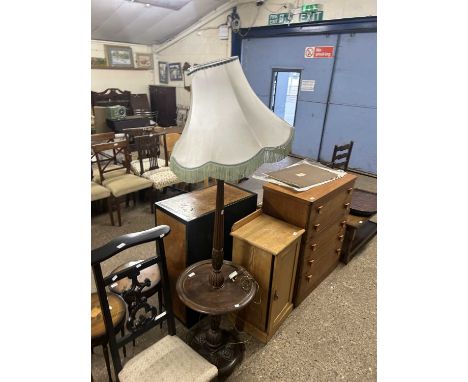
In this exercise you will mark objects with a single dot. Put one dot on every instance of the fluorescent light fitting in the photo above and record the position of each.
(175, 5)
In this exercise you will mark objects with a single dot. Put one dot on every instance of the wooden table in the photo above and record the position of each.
(359, 231)
(222, 348)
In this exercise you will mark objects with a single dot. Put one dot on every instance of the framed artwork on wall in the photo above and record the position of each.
(163, 76)
(144, 60)
(119, 56)
(175, 72)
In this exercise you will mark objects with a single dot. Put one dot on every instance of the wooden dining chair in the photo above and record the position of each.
(170, 358)
(99, 192)
(104, 138)
(341, 156)
(119, 185)
(161, 177)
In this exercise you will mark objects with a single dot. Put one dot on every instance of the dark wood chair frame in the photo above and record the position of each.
(104, 159)
(338, 156)
(142, 315)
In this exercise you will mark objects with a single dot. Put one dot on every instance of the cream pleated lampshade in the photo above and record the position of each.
(229, 132)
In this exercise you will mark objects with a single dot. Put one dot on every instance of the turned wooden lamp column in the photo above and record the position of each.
(229, 133)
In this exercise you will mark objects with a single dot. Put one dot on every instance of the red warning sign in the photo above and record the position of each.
(319, 51)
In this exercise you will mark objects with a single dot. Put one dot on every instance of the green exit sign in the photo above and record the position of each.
(279, 18)
(312, 8)
(305, 17)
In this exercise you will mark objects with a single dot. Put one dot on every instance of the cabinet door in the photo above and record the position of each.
(282, 285)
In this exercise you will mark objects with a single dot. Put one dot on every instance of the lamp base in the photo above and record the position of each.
(226, 356)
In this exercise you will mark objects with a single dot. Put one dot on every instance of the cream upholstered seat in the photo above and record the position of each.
(98, 192)
(126, 184)
(169, 359)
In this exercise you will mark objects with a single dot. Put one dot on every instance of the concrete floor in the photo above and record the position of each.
(331, 336)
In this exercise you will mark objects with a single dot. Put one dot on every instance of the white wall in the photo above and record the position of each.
(136, 81)
(203, 44)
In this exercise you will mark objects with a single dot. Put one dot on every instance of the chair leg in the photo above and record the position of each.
(109, 207)
(119, 219)
(127, 200)
(160, 304)
(122, 332)
(106, 358)
(153, 198)
(134, 198)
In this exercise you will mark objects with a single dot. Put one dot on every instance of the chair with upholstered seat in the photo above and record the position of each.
(169, 359)
(121, 185)
(162, 177)
(99, 192)
(105, 138)
(341, 156)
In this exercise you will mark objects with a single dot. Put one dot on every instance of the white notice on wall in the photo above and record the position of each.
(307, 85)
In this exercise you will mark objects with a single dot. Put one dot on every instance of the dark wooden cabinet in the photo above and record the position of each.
(322, 211)
(191, 218)
(163, 103)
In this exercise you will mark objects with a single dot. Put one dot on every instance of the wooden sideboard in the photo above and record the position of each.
(191, 218)
(322, 211)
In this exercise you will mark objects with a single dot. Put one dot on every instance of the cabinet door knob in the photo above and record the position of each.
(311, 261)
(313, 247)
(308, 278)
(275, 296)
(346, 205)
(350, 189)
(319, 209)
(316, 227)
(341, 237)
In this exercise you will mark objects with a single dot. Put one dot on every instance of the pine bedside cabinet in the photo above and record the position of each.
(268, 249)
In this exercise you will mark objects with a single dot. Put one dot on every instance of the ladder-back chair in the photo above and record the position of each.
(169, 359)
(341, 156)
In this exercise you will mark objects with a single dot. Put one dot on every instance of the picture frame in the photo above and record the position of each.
(119, 56)
(175, 72)
(144, 60)
(163, 73)
(98, 63)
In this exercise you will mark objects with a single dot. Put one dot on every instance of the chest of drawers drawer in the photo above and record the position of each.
(328, 241)
(324, 213)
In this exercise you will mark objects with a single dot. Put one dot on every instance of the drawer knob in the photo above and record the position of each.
(346, 205)
(319, 209)
(309, 278)
(313, 247)
(343, 223)
(338, 250)
(316, 227)
(349, 190)
(341, 237)
(311, 261)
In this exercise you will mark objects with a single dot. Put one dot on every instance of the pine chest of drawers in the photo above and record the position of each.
(322, 211)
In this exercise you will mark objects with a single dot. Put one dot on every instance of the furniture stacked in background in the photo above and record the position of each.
(139, 112)
(163, 104)
(191, 218)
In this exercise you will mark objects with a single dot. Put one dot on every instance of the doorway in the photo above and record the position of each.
(284, 92)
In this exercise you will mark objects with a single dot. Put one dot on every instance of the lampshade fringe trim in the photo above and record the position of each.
(232, 172)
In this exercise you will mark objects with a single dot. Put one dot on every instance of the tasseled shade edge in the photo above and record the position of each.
(235, 172)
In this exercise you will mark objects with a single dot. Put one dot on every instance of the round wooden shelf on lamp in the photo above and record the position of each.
(221, 347)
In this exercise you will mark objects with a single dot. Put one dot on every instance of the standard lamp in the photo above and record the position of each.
(229, 133)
